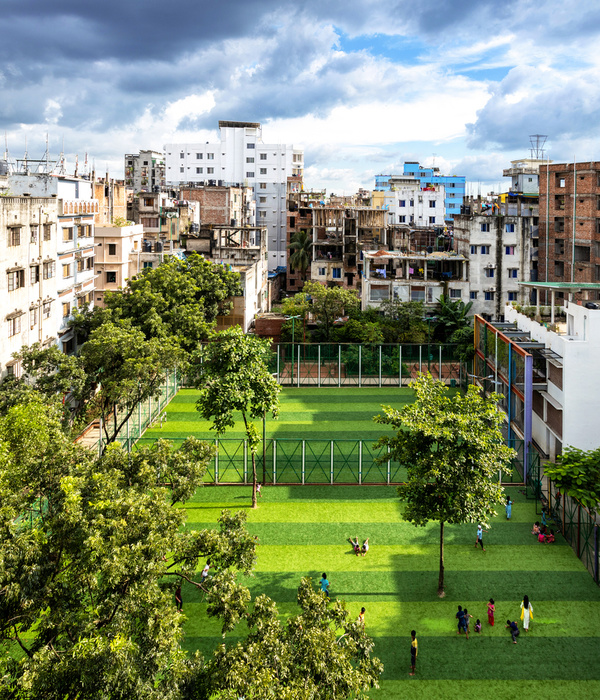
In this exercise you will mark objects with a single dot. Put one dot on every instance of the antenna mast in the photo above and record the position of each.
(537, 142)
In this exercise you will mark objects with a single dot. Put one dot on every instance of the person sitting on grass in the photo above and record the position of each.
(356, 545)
(514, 630)
(536, 528)
(365, 547)
(550, 537)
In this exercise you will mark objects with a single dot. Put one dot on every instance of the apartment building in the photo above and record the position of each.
(223, 205)
(570, 223)
(501, 245)
(118, 257)
(145, 172)
(112, 199)
(30, 310)
(74, 255)
(409, 201)
(242, 157)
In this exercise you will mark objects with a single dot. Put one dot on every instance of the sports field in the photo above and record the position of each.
(303, 530)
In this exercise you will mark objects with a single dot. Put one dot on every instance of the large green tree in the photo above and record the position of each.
(577, 473)
(452, 448)
(235, 377)
(329, 303)
(452, 315)
(91, 551)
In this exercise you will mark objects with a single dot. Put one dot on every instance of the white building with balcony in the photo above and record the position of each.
(242, 157)
(118, 257)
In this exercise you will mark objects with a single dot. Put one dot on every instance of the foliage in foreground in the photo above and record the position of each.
(452, 448)
(577, 473)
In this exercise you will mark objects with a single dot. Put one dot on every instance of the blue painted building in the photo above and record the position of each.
(455, 185)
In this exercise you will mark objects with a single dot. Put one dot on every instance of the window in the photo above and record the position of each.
(80, 265)
(48, 269)
(33, 238)
(250, 145)
(402, 219)
(46, 308)
(199, 156)
(263, 156)
(262, 214)
(112, 248)
(455, 293)
(560, 180)
(66, 309)
(210, 171)
(181, 170)
(489, 296)
(16, 280)
(559, 224)
(432, 219)
(147, 264)
(68, 233)
(15, 236)
(14, 326)
(249, 160)
(249, 174)
(33, 314)
(47, 232)
(199, 171)
(34, 274)
(510, 228)
(336, 273)
(401, 202)
(263, 185)
(489, 272)
(582, 253)
(262, 200)
(513, 273)
(67, 271)
(432, 203)
(322, 271)
(559, 268)
(509, 249)
(210, 156)
(473, 295)
(111, 277)
(89, 262)
(512, 296)
(263, 171)
(473, 250)
(485, 250)
(182, 155)
(559, 246)
(485, 227)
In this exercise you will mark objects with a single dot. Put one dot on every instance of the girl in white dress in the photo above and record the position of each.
(526, 613)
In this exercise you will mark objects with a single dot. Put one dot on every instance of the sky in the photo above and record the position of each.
(362, 85)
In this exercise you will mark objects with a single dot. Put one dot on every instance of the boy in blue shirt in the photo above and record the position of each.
(324, 584)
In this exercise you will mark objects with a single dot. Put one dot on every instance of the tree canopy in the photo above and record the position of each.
(329, 303)
(452, 448)
(301, 247)
(577, 473)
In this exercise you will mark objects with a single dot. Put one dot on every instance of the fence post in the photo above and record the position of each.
(319, 365)
(245, 461)
(278, 364)
(303, 459)
(400, 365)
(596, 553)
(339, 367)
(579, 530)
(380, 366)
(100, 438)
(128, 443)
(140, 419)
(298, 363)
(440, 371)
(360, 462)
(149, 410)
(331, 461)
(389, 467)
(216, 461)
(274, 462)
(360, 365)
(420, 357)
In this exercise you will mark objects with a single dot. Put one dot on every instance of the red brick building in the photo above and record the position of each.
(569, 223)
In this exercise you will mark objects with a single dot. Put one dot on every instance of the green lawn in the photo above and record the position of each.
(303, 530)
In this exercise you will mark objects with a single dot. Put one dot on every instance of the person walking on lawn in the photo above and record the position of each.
(479, 539)
(414, 650)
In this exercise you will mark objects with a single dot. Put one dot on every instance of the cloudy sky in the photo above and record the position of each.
(362, 85)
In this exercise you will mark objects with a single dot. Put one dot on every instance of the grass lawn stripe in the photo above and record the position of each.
(418, 688)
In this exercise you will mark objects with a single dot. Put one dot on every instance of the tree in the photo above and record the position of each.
(403, 321)
(301, 245)
(125, 369)
(235, 377)
(463, 340)
(320, 654)
(452, 315)
(329, 303)
(179, 300)
(91, 551)
(452, 448)
(577, 473)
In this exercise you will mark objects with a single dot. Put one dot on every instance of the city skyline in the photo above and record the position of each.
(362, 87)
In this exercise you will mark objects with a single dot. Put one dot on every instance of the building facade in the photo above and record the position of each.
(242, 158)
(145, 172)
(118, 257)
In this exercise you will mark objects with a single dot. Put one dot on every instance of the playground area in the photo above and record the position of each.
(304, 531)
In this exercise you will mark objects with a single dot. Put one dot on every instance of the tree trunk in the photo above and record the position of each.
(254, 504)
(441, 592)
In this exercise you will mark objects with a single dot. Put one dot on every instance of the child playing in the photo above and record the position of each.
(324, 584)
(361, 617)
(365, 547)
(478, 626)
(414, 650)
(508, 507)
(536, 528)
(550, 537)
(467, 621)
(460, 615)
(356, 546)
(491, 609)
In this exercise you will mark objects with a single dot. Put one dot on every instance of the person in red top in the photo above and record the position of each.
(491, 608)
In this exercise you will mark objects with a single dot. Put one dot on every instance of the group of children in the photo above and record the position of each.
(542, 534)
(358, 550)
(464, 619)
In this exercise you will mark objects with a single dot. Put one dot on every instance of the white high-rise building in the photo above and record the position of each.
(242, 158)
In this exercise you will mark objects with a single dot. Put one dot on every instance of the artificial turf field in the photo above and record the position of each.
(303, 530)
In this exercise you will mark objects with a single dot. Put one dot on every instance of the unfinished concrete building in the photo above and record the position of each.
(223, 205)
